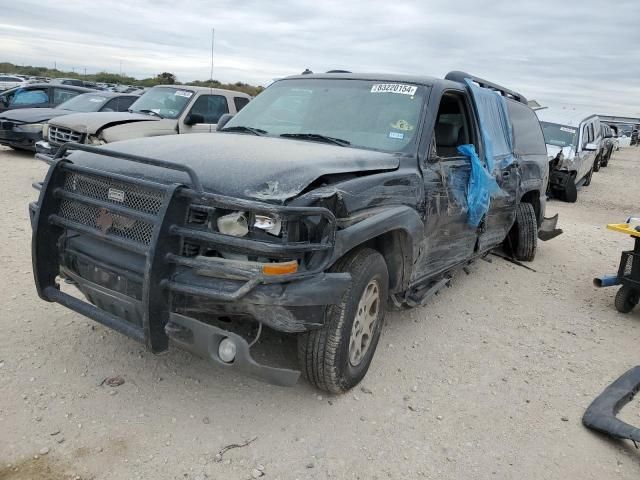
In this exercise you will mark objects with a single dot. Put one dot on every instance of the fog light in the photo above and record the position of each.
(227, 350)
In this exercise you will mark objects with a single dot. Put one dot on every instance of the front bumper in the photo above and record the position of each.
(146, 288)
(24, 140)
(46, 148)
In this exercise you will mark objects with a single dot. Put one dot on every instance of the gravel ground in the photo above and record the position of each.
(489, 380)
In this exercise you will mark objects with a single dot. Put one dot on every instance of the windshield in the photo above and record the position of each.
(165, 101)
(559, 135)
(87, 102)
(363, 114)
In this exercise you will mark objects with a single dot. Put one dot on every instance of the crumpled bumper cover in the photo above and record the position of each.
(601, 414)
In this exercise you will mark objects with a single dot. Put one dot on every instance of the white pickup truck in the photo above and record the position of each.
(162, 110)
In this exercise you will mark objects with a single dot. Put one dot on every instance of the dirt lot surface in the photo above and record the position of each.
(489, 380)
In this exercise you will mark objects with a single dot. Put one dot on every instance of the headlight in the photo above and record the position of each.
(93, 140)
(29, 128)
(234, 224)
(270, 224)
(45, 130)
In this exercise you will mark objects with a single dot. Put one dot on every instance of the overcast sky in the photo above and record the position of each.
(583, 52)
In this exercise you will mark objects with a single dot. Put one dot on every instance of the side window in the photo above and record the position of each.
(110, 106)
(124, 103)
(30, 97)
(452, 126)
(61, 95)
(240, 102)
(527, 133)
(592, 135)
(211, 107)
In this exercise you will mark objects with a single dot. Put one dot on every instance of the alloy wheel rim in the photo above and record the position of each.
(364, 323)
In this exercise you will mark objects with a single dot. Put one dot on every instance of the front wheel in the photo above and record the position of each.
(596, 165)
(626, 299)
(336, 357)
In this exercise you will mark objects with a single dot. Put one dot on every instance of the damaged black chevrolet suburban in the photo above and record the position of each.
(326, 199)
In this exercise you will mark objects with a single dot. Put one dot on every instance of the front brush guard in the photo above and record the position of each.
(601, 414)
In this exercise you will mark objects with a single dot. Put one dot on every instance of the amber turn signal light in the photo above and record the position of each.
(283, 268)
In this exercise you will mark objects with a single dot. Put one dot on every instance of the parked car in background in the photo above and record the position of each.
(162, 110)
(22, 128)
(325, 200)
(68, 81)
(10, 81)
(574, 146)
(608, 144)
(39, 95)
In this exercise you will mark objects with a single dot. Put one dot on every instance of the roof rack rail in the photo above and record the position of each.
(458, 76)
(339, 71)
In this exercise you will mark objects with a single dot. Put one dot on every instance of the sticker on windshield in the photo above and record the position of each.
(183, 93)
(397, 135)
(394, 88)
(568, 130)
(402, 125)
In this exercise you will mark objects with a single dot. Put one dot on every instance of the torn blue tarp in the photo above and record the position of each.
(495, 130)
(482, 186)
(495, 126)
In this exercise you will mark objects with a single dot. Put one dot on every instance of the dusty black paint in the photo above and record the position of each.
(410, 207)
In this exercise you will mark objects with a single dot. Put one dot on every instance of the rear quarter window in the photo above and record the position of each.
(527, 133)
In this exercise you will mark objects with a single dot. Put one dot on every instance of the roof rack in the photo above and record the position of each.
(338, 71)
(458, 76)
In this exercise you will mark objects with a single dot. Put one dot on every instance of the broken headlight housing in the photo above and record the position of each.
(94, 140)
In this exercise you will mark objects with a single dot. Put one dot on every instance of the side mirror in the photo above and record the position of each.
(194, 118)
(591, 147)
(223, 120)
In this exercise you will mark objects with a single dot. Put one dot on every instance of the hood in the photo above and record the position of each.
(32, 115)
(93, 122)
(241, 166)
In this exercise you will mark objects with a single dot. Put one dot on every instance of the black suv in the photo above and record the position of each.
(327, 199)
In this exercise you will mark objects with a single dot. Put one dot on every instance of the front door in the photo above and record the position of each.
(449, 238)
(211, 108)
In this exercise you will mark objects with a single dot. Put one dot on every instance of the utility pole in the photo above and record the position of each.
(120, 69)
(85, 73)
(213, 32)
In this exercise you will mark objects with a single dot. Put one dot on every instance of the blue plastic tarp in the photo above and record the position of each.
(495, 130)
(482, 186)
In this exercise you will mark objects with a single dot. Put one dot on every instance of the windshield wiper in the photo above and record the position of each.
(145, 110)
(317, 137)
(242, 128)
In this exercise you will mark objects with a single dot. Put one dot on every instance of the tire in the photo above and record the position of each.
(596, 165)
(570, 193)
(522, 240)
(587, 179)
(626, 299)
(328, 356)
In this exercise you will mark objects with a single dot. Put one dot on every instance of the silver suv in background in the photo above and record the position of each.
(10, 81)
(162, 110)
(575, 144)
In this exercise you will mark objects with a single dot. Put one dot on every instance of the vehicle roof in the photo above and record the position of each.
(204, 89)
(383, 77)
(47, 85)
(564, 115)
(107, 94)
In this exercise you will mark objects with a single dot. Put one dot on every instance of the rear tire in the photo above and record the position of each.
(587, 178)
(570, 192)
(596, 165)
(522, 240)
(336, 357)
(626, 299)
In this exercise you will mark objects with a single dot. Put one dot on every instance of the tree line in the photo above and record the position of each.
(164, 78)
